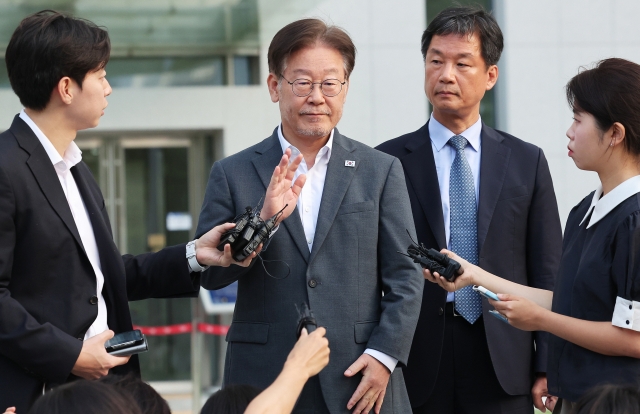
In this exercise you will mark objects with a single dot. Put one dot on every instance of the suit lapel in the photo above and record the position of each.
(493, 169)
(336, 184)
(110, 259)
(270, 154)
(45, 174)
(420, 169)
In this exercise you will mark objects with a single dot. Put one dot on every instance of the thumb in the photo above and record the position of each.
(355, 368)
(106, 335)
(505, 297)
(303, 333)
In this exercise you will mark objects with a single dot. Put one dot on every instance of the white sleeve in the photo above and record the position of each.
(388, 361)
(626, 314)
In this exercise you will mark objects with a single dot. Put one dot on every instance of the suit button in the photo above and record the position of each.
(313, 283)
(80, 339)
(93, 300)
(440, 311)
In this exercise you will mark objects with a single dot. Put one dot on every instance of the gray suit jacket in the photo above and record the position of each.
(359, 288)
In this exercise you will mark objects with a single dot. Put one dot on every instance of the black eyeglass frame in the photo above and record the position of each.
(314, 83)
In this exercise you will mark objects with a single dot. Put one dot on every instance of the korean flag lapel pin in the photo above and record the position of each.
(349, 163)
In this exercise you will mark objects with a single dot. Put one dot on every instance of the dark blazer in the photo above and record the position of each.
(361, 224)
(46, 280)
(519, 239)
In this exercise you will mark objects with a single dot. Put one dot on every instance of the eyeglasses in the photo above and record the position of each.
(304, 87)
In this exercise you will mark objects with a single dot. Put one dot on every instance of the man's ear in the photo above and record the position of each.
(345, 89)
(273, 83)
(492, 77)
(64, 90)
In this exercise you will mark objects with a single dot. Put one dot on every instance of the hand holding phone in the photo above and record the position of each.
(127, 343)
(490, 295)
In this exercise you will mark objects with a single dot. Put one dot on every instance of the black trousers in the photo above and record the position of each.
(467, 383)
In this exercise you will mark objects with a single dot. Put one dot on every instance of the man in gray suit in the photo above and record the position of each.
(340, 246)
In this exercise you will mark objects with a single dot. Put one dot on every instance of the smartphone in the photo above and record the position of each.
(127, 343)
(486, 293)
(499, 315)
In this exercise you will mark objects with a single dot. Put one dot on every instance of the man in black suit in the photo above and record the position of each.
(64, 287)
(489, 196)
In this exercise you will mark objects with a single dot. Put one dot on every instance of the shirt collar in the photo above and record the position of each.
(440, 134)
(295, 151)
(72, 155)
(602, 206)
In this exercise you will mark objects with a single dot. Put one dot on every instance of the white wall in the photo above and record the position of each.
(546, 42)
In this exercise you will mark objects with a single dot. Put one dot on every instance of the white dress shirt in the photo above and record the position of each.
(62, 165)
(444, 155)
(309, 207)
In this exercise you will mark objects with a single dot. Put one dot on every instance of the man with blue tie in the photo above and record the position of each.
(487, 196)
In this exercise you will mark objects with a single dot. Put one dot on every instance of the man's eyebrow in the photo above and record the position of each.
(308, 73)
(459, 55)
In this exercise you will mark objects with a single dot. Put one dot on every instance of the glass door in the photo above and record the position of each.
(153, 188)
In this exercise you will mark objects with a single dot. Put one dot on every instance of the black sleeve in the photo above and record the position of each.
(625, 270)
(43, 350)
(544, 246)
(164, 274)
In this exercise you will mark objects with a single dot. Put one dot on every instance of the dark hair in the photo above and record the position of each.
(86, 397)
(148, 399)
(232, 399)
(467, 21)
(305, 33)
(48, 46)
(610, 91)
(609, 399)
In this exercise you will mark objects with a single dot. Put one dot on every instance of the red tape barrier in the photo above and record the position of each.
(183, 328)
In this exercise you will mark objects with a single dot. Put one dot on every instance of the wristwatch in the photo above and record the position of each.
(191, 258)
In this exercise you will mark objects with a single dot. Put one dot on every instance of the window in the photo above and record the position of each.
(169, 43)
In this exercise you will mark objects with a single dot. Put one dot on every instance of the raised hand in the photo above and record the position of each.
(207, 253)
(282, 189)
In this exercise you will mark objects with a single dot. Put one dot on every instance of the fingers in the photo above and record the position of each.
(224, 227)
(366, 402)
(363, 387)
(551, 402)
(293, 166)
(355, 368)
(298, 184)
(320, 331)
(537, 401)
(379, 401)
(103, 337)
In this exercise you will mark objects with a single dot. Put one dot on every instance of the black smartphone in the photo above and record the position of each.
(127, 343)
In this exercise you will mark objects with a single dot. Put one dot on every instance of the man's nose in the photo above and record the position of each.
(316, 96)
(446, 74)
(107, 90)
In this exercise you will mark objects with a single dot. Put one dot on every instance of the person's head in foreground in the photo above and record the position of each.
(605, 134)
(610, 399)
(86, 397)
(232, 399)
(56, 63)
(148, 399)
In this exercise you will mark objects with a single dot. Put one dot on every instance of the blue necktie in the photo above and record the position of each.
(463, 225)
